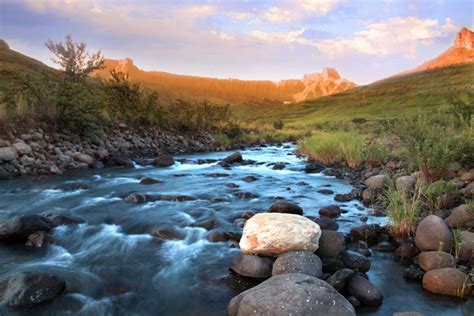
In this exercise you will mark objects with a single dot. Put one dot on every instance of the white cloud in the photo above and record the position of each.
(223, 36)
(285, 37)
(297, 10)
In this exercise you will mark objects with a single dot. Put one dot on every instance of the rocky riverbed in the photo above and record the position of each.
(163, 236)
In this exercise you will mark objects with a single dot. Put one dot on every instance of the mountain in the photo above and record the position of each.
(461, 52)
(231, 90)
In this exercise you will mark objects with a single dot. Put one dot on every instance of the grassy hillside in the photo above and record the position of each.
(417, 92)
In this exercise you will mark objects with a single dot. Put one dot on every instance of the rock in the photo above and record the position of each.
(58, 220)
(368, 195)
(407, 314)
(313, 168)
(36, 240)
(461, 217)
(149, 181)
(249, 179)
(384, 246)
(139, 198)
(169, 234)
(20, 227)
(367, 233)
(468, 191)
(286, 207)
(407, 250)
(405, 183)
(355, 261)
(102, 154)
(376, 182)
(163, 161)
(332, 265)
(366, 292)
(468, 176)
(28, 289)
(22, 148)
(85, 158)
(431, 260)
(432, 233)
(330, 211)
(217, 175)
(359, 247)
(343, 197)
(216, 235)
(325, 191)
(234, 158)
(304, 262)
(331, 244)
(353, 300)
(339, 279)
(275, 233)
(55, 170)
(447, 281)
(278, 166)
(8, 154)
(326, 223)
(231, 185)
(290, 294)
(253, 266)
(5, 174)
(413, 272)
(246, 195)
(466, 252)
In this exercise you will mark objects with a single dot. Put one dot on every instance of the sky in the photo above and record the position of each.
(365, 40)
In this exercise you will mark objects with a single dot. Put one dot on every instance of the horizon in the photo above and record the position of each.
(201, 38)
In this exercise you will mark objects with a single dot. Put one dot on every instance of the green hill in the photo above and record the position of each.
(415, 92)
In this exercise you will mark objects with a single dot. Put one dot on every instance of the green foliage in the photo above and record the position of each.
(278, 124)
(223, 139)
(462, 109)
(359, 120)
(375, 154)
(457, 242)
(432, 194)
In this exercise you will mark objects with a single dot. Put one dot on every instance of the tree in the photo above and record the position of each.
(74, 59)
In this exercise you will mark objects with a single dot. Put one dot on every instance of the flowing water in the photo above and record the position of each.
(113, 266)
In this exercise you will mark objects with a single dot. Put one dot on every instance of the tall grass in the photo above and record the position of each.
(332, 148)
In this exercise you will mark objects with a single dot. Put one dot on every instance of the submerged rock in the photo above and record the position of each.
(290, 294)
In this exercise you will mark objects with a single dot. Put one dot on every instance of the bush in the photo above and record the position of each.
(432, 194)
(375, 154)
(278, 124)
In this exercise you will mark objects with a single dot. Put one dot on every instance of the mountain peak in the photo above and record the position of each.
(464, 39)
(125, 65)
(3, 44)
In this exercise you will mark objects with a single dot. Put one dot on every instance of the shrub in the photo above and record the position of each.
(278, 124)
(359, 120)
(375, 154)
(432, 194)
(223, 139)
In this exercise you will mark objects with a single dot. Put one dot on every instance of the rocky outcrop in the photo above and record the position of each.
(275, 233)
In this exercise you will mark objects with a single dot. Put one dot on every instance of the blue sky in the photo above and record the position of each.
(365, 40)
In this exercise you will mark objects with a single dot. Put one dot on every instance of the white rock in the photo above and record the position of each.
(22, 148)
(275, 233)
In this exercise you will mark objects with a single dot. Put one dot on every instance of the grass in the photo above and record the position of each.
(332, 148)
(457, 243)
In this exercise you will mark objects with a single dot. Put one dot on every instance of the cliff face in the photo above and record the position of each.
(311, 86)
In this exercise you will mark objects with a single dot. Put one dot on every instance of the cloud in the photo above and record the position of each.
(223, 36)
(297, 10)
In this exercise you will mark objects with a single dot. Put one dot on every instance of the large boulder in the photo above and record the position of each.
(234, 158)
(461, 217)
(447, 281)
(466, 251)
(376, 182)
(286, 207)
(339, 279)
(331, 244)
(22, 148)
(28, 289)
(330, 211)
(304, 262)
(290, 294)
(8, 154)
(366, 292)
(85, 158)
(356, 261)
(253, 266)
(432, 234)
(431, 260)
(20, 227)
(163, 161)
(272, 234)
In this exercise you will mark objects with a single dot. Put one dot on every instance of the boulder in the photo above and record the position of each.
(8, 154)
(407, 250)
(313, 168)
(169, 234)
(85, 158)
(431, 260)
(413, 272)
(432, 234)
(355, 261)
(376, 182)
(275, 233)
(28, 289)
(326, 223)
(405, 183)
(163, 161)
(468, 191)
(290, 294)
(368, 233)
(58, 220)
(447, 281)
(330, 211)
(461, 217)
(234, 158)
(253, 266)
(286, 207)
(331, 244)
(467, 176)
(304, 262)
(20, 227)
(249, 179)
(466, 252)
(22, 148)
(365, 291)
(339, 279)
(332, 265)
(149, 181)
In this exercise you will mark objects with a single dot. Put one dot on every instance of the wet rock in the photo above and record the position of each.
(37, 240)
(355, 261)
(407, 314)
(413, 272)
(116, 160)
(384, 246)
(217, 175)
(367, 233)
(331, 244)
(247, 215)
(175, 197)
(466, 251)
(304, 262)
(376, 182)
(28, 289)
(431, 260)
(278, 166)
(276, 233)
(169, 234)
(286, 207)
(326, 223)
(325, 191)
(461, 217)
(432, 233)
(253, 266)
(163, 161)
(249, 179)
(245, 195)
(363, 218)
(206, 224)
(232, 185)
(313, 168)
(20, 227)
(58, 220)
(234, 158)
(353, 300)
(368, 196)
(365, 291)
(74, 187)
(330, 211)
(447, 281)
(216, 235)
(407, 250)
(8, 154)
(343, 197)
(332, 265)
(359, 247)
(138, 198)
(339, 279)
(290, 294)
(149, 181)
